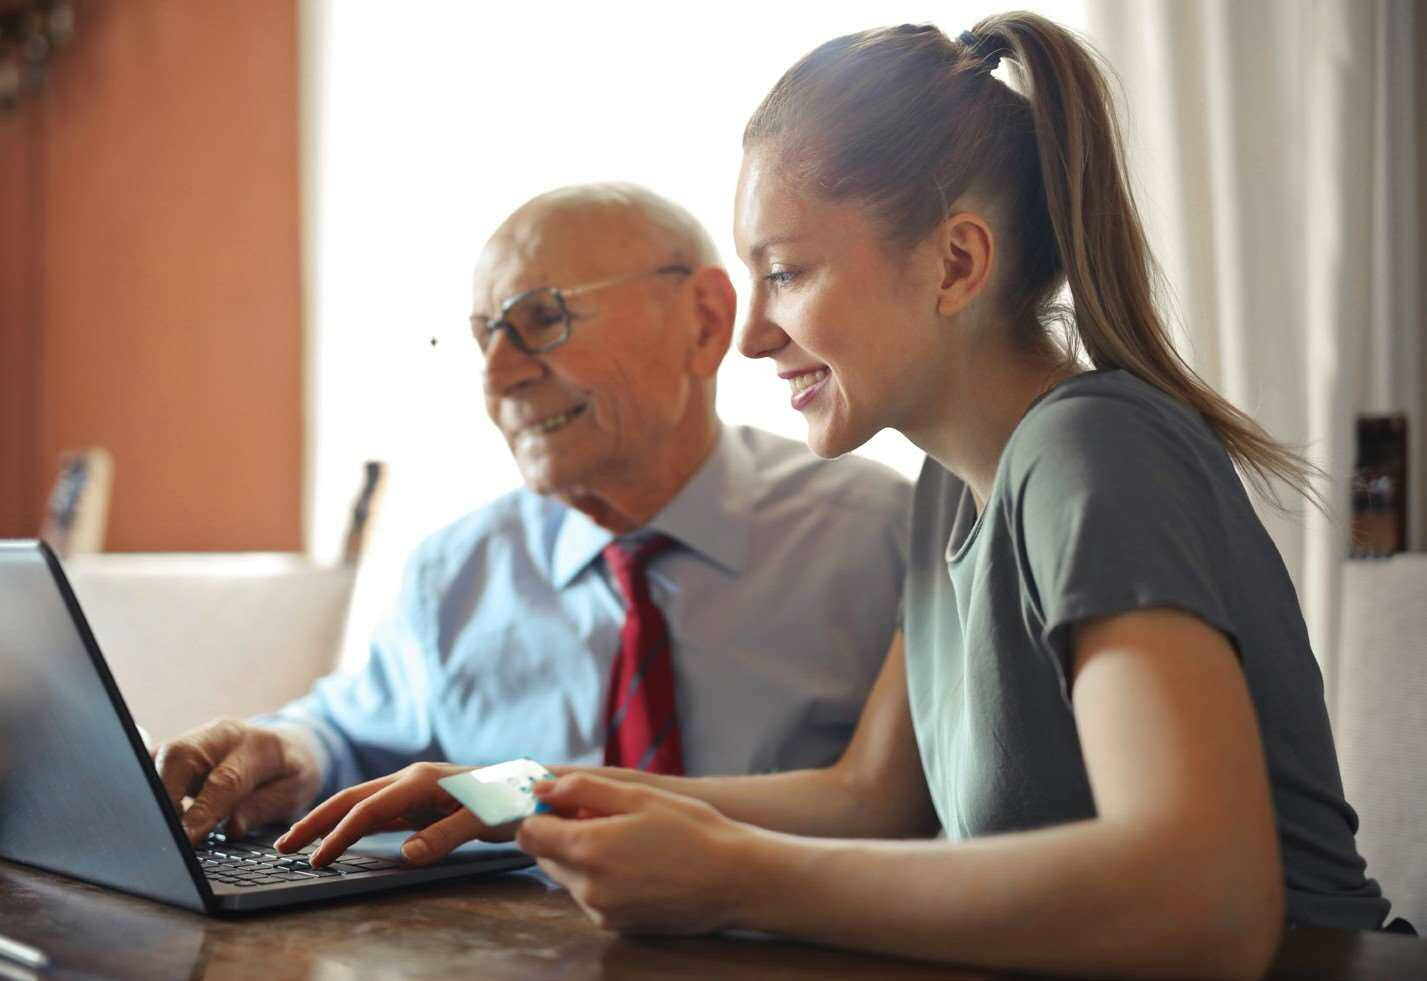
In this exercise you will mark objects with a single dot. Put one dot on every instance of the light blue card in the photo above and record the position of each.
(501, 793)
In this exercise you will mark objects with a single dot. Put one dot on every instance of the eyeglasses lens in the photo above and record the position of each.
(539, 319)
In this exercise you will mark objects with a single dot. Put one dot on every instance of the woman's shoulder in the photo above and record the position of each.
(1106, 412)
(1108, 395)
(1103, 428)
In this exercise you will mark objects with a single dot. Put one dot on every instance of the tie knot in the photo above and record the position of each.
(627, 560)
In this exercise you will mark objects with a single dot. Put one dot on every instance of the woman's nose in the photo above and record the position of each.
(760, 337)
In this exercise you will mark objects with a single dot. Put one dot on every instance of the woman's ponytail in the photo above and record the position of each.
(908, 120)
(1107, 262)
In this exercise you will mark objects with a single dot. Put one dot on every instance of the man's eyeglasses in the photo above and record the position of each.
(539, 320)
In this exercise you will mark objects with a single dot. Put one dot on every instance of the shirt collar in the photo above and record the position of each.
(711, 515)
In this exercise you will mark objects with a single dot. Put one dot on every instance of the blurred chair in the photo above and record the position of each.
(77, 512)
(1381, 722)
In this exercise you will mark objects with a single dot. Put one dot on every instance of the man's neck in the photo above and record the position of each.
(631, 499)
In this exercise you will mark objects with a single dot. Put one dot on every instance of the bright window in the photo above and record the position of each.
(426, 124)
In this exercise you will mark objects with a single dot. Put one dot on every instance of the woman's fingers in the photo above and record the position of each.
(324, 817)
(591, 891)
(437, 840)
(369, 815)
(569, 842)
(567, 836)
(577, 792)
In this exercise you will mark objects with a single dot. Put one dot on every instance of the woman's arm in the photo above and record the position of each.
(875, 790)
(1179, 874)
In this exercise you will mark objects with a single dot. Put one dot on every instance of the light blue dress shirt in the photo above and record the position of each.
(782, 599)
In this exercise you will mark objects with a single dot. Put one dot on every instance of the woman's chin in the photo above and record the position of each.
(829, 441)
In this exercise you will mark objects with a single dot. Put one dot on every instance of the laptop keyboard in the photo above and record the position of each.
(247, 864)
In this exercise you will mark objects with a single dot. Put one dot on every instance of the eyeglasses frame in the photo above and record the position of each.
(484, 327)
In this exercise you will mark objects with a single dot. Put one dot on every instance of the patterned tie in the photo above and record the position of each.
(641, 721)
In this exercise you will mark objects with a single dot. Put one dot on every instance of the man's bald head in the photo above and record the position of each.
(614, 418)
(640, 217)
(599, 229)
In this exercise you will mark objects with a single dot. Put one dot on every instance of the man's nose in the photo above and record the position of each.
(760, 337)
(507, 367)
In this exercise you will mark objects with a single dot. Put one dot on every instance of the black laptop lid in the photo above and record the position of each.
(78, 794)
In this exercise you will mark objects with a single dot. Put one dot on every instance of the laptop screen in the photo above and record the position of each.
(78, 793)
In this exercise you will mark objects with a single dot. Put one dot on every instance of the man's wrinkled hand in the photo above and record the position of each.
(251, 775)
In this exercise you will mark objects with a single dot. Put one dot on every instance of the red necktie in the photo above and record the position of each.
(641, 720)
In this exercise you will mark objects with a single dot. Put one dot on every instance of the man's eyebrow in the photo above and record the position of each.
(757, 252)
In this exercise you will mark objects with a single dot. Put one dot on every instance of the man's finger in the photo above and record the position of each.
(252, 763)
(179, 766)
(437, 840)
(324, 817)
(599, 795)
(269, 804)
(184, 762)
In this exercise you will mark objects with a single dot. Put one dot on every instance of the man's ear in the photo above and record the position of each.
(715, 305)
(966, 252)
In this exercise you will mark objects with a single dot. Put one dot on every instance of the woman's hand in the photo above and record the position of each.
(637, 858)
(409, 798)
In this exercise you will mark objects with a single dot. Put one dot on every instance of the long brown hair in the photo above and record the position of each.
(907, 120)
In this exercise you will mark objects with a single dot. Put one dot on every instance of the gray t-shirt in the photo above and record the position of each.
(1110, 496)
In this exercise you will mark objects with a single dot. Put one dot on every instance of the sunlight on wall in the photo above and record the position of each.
(422, 132)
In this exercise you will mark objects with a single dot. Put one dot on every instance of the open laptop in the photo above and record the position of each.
(80, 796)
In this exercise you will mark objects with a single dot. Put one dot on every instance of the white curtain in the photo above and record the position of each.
(1276, 152)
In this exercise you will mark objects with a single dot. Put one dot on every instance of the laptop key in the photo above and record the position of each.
(368, 863)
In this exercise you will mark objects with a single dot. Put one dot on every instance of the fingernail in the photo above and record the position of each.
(415, 850)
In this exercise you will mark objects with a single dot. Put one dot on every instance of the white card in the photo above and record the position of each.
(501, 793)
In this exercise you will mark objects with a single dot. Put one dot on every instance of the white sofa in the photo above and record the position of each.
(189, 637)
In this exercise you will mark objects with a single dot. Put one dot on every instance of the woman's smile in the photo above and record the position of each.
(805, 384)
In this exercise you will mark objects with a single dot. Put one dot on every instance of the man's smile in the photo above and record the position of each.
(551, 424)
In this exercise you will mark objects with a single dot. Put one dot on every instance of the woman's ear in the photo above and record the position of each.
(966, 251)
(715, 305)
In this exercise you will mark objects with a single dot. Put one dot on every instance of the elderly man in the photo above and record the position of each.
(667, 593)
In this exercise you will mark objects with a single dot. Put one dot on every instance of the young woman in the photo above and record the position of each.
(1104, 693)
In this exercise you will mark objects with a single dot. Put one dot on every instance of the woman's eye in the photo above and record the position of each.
(781, 277)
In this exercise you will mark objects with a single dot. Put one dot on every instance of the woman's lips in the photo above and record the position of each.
(806, 385)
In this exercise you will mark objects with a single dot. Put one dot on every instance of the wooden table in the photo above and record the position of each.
(512, 926)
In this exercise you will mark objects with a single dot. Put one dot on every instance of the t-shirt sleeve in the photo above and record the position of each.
(1115, 509)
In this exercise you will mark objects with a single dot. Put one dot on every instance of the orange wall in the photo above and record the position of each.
(151, 298)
